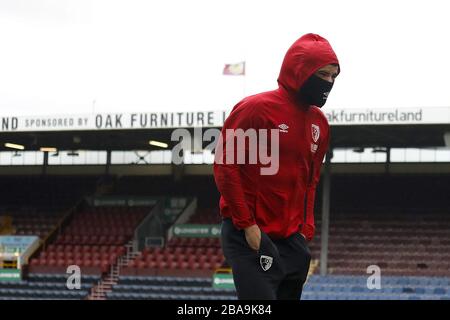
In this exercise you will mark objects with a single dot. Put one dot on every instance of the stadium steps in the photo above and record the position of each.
(100, 291)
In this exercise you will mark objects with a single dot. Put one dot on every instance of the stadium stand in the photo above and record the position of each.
(206, 216)
(345, 287)
(410, 245)
(158, 287)
(316, 288)
(36, 205)
(46, 287)
(417, 244)
(45, 191)
(33, 221)
(411, 250)
(182, 255)
(93, 240)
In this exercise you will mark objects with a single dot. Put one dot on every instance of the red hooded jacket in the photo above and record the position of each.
(283, 203)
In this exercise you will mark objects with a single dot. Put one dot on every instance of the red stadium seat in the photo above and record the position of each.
(205, 265)
(102, 240)
(191, 259)
(78, 239)
(159, 257)
(95, 255)
(146, 253)
(34, 262)
(52, 262)
(200, 251)
(61, 263)
(105, 266)
(168, 256)
(178, 250)
(96, 263)
(121, 239)
(87, 262)
(193, 265)
(92, 239)
(181, 257)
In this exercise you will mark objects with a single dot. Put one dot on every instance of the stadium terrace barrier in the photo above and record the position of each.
(162, 216)
(151, 226)
(184, 217)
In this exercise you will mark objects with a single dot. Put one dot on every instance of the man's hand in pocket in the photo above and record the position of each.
(253, 237)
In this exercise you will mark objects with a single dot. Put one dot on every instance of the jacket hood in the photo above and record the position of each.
(308, 54)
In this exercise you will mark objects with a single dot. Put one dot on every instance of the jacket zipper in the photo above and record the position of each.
(311, 172)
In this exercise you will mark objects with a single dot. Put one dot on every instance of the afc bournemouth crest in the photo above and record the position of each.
(315, 132)
(266, 262)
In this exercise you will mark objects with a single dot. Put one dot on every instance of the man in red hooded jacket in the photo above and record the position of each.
(267, 218)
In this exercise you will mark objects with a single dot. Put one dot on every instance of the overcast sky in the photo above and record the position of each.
(59, 56)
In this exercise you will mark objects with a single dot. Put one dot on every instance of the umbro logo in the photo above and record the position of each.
(283, 127)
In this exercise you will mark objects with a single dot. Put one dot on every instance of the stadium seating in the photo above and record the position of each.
(316, 288)
(344, 287)
(206, 216)
(174, 288)
(31, 221)
(93, 240)
(188, 258)
(412, 249)
(46, 286)
(356, 241)
(410, 245)
(182, 255)
(45, 191)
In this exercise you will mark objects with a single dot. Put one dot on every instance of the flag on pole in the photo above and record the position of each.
(234, 69)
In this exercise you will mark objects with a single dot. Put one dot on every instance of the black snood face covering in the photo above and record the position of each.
(315, 91)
